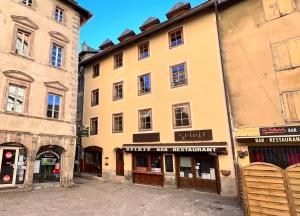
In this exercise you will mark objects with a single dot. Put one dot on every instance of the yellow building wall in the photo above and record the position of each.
(204, 92)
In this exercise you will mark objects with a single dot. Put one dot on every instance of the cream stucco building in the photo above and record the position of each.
(38, 90)
(155, 105)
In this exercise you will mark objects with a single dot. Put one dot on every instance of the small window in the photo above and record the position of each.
(178, 75)
(118, 91)
(286, 54)
(144, 84)
(53, 106)
(56, 55)
(15, 99)
(118, 60)
(277, 8)
(59, 14)
(94, 126)
(176, 37)
(117, 123)
(291, 105)
(22, 46)
(95, 97)
(96, 70)
(181, 115)
(145, 119)
(27, 2)
(144, 51)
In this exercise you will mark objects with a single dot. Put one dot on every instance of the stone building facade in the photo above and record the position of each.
(38, 90)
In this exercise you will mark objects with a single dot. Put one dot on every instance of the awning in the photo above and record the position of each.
(289, 139)
(213, 147)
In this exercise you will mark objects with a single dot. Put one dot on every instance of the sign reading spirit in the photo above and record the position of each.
(195, 135)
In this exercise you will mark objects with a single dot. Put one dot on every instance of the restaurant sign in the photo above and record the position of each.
(195, 135)
(271, 131)
(275, 139)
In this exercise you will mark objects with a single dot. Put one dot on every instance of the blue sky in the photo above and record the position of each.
(112, 17)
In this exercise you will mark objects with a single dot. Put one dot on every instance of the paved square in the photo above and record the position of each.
(97, 198)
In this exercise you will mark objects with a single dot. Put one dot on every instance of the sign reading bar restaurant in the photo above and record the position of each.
(195, 135)
(175, 148)
(291, 130)
(275, 139)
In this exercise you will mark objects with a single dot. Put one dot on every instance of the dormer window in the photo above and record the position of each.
(176, 37)
(59, 14)
(27, 2)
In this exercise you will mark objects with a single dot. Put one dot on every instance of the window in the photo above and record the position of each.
(94, 126)
(53, 106)
(291, 105)
(15, 99)
(144, 84)
(22, 46)
(96, 70)
(181, 115)
(118, 91)
(148, 163)
(286, 54)
(59, 14)
(176, 37)
(277, 8)
(178, 75)
(118, 60)
(117, 123)
(145, 119)
(95, 97)
(27, 2)
(144, 51)
(56, 55)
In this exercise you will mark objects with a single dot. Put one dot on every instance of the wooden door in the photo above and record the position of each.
(185, 172)
(119, 162)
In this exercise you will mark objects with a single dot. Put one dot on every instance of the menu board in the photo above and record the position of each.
(169, 163)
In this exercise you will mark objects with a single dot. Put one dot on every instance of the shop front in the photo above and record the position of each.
(195, 165)
(13, 163)
(47, 166)
(92, 160)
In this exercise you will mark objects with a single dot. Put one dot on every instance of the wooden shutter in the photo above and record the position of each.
(291, 103)
(281, 56)
(271, 9)
(286, 6)
(294, 51)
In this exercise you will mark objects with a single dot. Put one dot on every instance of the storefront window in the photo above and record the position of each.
(148, 162)
(186, 167)
(92, 158)
(205, 169)
(155, 163)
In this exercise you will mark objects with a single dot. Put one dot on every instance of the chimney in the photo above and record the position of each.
(178, 9)
(128, 33)
(106, 44)
(150, 23)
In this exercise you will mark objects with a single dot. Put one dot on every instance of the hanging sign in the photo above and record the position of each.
(8, 155)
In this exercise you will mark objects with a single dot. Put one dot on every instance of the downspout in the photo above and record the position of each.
(226, 91)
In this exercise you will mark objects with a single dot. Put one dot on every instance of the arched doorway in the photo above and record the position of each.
(119, 162)
(13, 162)
(47, 166)
(92, 162)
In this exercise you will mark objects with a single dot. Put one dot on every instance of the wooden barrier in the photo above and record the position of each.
(292, 174)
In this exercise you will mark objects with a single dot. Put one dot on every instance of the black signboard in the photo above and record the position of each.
(195, 135)
(146, 137)
(169, 163)
(273, 131)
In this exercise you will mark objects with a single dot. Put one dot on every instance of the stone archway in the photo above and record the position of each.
(13, 164)
(49, 164)
(92, 161)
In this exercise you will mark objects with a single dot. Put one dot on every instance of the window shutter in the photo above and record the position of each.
(291, 102)
(281, 56)
(286, 6)
(294, 51)
(271, 9)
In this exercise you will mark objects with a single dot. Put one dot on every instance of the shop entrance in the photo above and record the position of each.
(92, 162)
(47, 165)
(12, 166)
(119, 162)
(199, 171)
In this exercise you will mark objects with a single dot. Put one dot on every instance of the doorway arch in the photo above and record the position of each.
(92, 161)
(119, 162)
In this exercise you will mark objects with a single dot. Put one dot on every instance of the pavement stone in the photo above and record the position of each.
(93, 198)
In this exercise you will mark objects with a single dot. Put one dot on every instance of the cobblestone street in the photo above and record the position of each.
(96, 198)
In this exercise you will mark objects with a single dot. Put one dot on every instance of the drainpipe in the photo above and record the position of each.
(225, 85)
